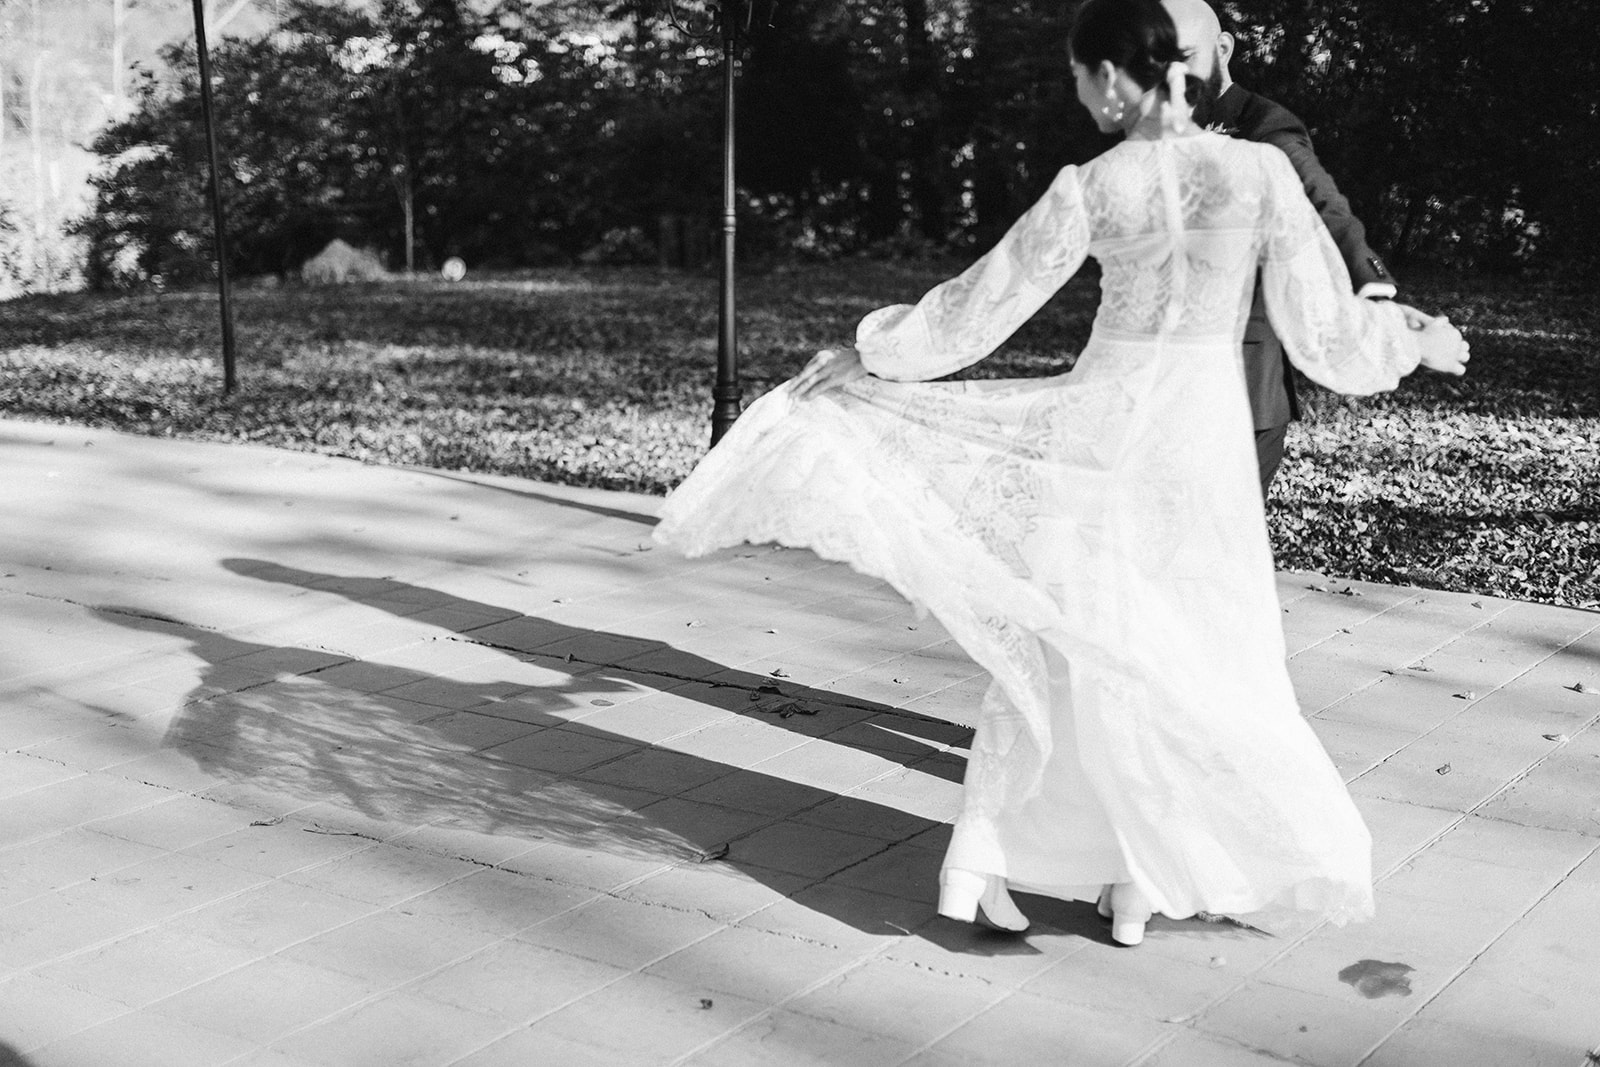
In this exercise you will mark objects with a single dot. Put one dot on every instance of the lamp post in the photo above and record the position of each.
(730, 20)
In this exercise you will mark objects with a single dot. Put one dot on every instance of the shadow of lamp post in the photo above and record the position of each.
(731, 21)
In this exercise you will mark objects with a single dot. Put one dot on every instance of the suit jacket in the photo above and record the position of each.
(1241, 113)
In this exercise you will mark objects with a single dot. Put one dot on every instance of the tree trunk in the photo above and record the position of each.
(991, 170)
(882, 212)
(922, 94)
(1415, 208)
(408, 207)
(35, 146)
(117, 10)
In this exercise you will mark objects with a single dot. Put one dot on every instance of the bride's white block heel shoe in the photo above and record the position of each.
(1130, 910)
(967, 896)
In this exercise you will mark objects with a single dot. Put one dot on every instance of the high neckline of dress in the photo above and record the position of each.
(1174, 138)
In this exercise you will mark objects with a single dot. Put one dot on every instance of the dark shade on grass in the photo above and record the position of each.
(602, 377)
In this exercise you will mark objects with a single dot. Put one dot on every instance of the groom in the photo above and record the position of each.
(1236, 111)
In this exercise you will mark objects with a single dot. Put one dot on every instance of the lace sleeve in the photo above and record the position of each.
(964, 319)
(1339, 340)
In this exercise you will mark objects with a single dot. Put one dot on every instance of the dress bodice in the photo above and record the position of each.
(1176, 228)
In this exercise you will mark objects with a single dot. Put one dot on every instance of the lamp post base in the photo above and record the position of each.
(725, 410)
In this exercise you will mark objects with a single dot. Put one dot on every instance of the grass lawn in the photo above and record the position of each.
(602, 377)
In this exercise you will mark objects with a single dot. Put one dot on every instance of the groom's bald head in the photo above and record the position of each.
(1201, 38)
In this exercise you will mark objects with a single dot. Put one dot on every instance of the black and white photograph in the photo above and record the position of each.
(799, 533)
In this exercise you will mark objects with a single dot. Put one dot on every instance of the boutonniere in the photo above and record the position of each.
(1223, 128)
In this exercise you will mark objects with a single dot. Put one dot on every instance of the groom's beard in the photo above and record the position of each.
(1210, 92)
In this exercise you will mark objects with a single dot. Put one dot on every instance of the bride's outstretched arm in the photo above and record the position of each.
(1337, 339)
(962, 320)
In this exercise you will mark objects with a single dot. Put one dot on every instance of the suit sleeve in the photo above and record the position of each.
(964, 319)
(1336, 338)
(1284, 131)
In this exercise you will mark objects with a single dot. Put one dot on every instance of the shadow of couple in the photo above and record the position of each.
(533, 731)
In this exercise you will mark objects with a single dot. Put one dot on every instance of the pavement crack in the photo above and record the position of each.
(765, 687)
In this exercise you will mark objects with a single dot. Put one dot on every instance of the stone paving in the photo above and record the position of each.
(307, 762)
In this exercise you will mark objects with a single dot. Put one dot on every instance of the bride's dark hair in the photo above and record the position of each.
(1136, 35)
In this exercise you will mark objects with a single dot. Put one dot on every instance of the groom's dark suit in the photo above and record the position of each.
(1241, 113)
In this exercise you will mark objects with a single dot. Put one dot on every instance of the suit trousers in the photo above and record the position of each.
(1269, 454)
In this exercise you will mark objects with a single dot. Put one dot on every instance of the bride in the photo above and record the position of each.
(1096, 541)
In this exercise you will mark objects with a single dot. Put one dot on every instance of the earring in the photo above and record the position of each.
(1121, 109)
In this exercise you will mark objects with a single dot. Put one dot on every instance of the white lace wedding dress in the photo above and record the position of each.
(1096, 541)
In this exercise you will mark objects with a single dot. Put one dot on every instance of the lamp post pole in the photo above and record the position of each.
(727, 395)
(729, 18)
(228, 379)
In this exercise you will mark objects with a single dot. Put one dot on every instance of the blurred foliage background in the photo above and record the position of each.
(539, 132)
(568, 149)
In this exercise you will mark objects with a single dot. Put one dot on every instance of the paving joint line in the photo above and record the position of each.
(778, 1005)
(1496, 939)
(463, 637)
(1475, 701)
(1396, 673)
(1470, 812)
(1416, 597)
(776, 693)
(627, 973)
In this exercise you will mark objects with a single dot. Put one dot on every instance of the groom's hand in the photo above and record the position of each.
(828, 369)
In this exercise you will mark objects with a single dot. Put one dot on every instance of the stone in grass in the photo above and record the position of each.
(339, 263)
